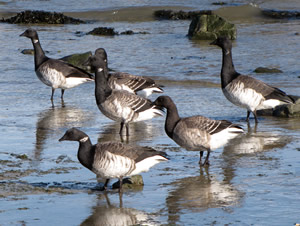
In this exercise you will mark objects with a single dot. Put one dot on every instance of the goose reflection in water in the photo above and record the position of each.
(105, 214)
(199, 193)
(139, 131)
(254, 142)
(52, 119)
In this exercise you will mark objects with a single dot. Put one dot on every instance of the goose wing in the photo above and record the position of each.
(267, 91)
(136, 103)
(133, 82)
(204, 124)
(136, 153)
(194, 133)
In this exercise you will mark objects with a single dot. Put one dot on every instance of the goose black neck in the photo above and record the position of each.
(86, 153)
(228, 73)
(102, 90)
(39, 55)
(172, 118)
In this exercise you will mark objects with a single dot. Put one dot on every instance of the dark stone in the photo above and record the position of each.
(129, 32)
(219, 3)
(103, 31)
(180, 15)
(209, 27)
(286, 110)
(267, 70)
(109, 31)
(41, 17)
(281, 14)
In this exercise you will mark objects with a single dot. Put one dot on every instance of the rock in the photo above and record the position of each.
(63, 159)
(281, 14)
(219, 3)
(28, 51)
(41, 17)
(109, 31)
(130, 32)
(180, 15)
(267, 70)
(132, 182)
(209, 27)
(286, 110)
(18, 156)
(78, 59)
(105, 31)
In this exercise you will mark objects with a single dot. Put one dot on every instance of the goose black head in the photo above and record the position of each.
(100, 52)
(163, 101)
(30, 33)
(223, 42)
(73, 134)
(96, 62)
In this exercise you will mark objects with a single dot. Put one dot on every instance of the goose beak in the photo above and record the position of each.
(214, 42)
(62, 138)
(23, 34)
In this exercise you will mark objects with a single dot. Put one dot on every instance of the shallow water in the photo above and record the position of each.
(254, 180)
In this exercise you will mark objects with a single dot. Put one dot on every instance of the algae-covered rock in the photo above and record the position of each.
(41, 17)
(209, 27)
(78, 59)
(28, 51)
(135, 181)
(286, 110)
(267, 70)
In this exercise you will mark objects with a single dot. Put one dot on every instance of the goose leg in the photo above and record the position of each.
(52, 94)
(248, 115)
(121, 184)
(62, 94)
(206, 162)
(127, 129)
(255, 117)
(121, 128)
(201, 155)
(120, 199)
(105, 185)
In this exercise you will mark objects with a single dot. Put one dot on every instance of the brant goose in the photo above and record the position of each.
(245, 91)
(196, 133)
(54, 72)
(132, 83)
(119, 105)
(113, 159)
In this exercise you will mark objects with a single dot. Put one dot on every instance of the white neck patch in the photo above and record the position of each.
(100, 69)
(83, 139)
(35, 41)
(227, 52)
